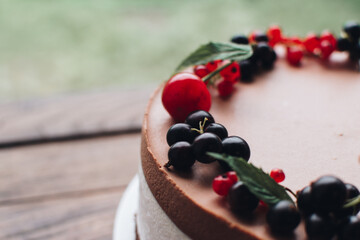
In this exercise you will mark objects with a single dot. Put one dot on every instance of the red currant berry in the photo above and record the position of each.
(277, 174)
(201, 71)
(295, 40)
(311, 42)
(290, 41)
(262, 203)
(232, 176)
(285, 40)
(231, 73)
(225, 88)
(326, 48)
(222, 183)
(274, 34)
(253, 35)
(213, 65)
(326, 35)
(294, 55)
(185, 93)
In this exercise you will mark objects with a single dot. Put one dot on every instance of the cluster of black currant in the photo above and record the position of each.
(263, 56)
(350, 41)
(322, 205)
(190, 141)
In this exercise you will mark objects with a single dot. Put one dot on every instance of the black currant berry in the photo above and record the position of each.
(267, 55)
(264, 50)
(268, 63)
(351, 192)
(241, 200)
(319, 227)
(352, 29)
(355, 52)
(350, 230)
(180, 132)
(240, 39)
(237, 147)
(304, 202)
(198, 117)
(261, 37)
(255, 59)
(283, 217)
(181, 156)
(217, 129)
(206, 142)
(246, 70)
(343, 44)
(328, 194)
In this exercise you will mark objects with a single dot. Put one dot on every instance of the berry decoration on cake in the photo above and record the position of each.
(328, 206)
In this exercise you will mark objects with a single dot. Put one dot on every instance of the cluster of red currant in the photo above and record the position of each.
(263, 58)
(322, 45)
(186, 92)
(228, 76)
(223, 183)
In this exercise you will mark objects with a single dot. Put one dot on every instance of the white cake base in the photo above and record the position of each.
(124, 225)
(152, 222)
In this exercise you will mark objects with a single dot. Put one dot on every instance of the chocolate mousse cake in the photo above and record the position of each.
(301, 119)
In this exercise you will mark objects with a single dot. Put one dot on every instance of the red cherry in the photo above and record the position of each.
(326, 35)
(231, 73)
(213, 65)
(222, 183)
(277, 174)
(311, 42)
(201, 71)
(185, 93)
(326, 48)
(274, 34)
(294, 55)
(225, 88)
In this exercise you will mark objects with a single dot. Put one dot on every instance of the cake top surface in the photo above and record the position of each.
(302, 120)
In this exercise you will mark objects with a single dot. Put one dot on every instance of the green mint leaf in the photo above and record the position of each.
(258, 182)
(216, 50)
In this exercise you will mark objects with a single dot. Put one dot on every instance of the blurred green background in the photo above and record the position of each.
(57, 46)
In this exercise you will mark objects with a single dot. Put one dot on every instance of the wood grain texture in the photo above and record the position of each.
(69, 186)
(67, 190)
(85, 218)
(49, 169)
(74, 115)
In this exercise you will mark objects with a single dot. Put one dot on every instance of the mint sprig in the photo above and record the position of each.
(257, 181)
(214, 51)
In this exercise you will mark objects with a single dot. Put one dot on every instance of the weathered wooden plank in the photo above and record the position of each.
(49, 171)
(76, 115)
(88, 217)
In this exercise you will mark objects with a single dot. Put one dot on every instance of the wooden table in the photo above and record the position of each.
(65, 162)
